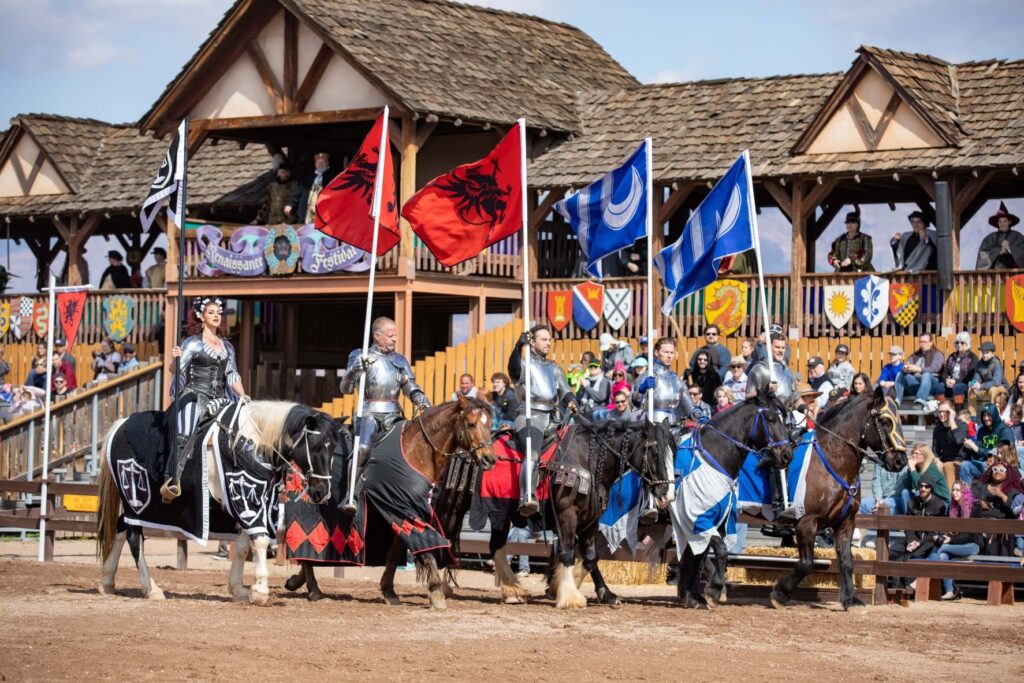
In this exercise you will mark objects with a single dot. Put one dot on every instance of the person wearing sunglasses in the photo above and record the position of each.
(959, 369)
(718, 355)
(919, 544)
(621, 409)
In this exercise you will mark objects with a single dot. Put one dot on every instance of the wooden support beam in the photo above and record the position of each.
(817, 194)
(799, 242)
(781, 197)
(263, 68)
(403, 320)
(291, 61)
(970, 190)
(816, 227)
(927, 184)
(928, 210)
(668, 208)
(406, 189)
(423, 131)
(539, 213)
(312, 77)
(302, 119)
(247, 342)
(196, 138)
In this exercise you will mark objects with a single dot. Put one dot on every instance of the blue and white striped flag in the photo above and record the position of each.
(721, 226)
(611, 213)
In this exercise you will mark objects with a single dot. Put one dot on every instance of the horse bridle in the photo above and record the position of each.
(895, 440)
(646, 474)
(471, 451)
(704, 422)
(286, 463)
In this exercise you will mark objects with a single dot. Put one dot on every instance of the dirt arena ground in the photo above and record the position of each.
(57, 626)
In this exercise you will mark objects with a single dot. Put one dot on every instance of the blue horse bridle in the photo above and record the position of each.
(704, 422)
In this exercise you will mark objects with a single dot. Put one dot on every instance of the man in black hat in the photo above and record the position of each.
(1003, 248)
(851, 252)
(279, 192)
(116, 275)
(156, 274)
(914, 251)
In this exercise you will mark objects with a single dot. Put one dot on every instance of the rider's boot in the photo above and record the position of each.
(348, 505)
(171, 488)
(649, 513)
(528, 505)
(783, 515)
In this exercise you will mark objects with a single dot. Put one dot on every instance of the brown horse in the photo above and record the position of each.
(843, 436)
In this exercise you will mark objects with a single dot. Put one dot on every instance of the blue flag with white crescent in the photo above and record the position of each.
(721, 226)
(611, 213)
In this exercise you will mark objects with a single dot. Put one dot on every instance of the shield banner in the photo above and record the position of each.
(21, 322)
(5, 319)
(1015, 301)
(871, 300)
(725, 305)
(559, 307)
(587, 304)
(118, 316)
(904, 302)
(618, 306)
(40, 318)
(839, 304)
(70, 307)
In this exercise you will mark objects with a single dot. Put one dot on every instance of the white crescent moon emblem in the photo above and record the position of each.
(732, 213)
(618, 215)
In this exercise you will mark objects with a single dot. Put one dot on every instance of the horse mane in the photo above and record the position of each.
(832, 411)
(616, 426)
(268, 423)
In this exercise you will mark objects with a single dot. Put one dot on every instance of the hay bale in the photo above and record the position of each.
(759, 577)
(626, 573)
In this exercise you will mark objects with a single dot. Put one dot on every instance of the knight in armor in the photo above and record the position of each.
(207, 380)
(548, 390)
(760, 380)
(388, 373)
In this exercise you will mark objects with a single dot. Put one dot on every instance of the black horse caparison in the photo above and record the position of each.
(757, 424)
(844, 433)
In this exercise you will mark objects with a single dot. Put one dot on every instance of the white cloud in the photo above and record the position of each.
(94, 53)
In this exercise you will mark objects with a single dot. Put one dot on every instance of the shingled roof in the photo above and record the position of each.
(453, 59)
(700, 128)
(111, 167)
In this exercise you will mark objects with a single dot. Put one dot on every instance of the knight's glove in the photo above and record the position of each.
(647, 384)
(420, 400)
(574, 407)
(366, 361)
(524, 339)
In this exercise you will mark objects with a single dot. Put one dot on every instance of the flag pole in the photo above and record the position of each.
(378, 189)
(180, 204)
(524, 250)
(648, 143)
(760, 270)
(43, 509)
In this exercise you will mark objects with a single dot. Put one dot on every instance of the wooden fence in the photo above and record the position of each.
(147, 315)
(78, 423)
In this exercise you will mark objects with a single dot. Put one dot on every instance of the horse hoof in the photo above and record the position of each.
(693, 602)
(779, 601)
(392, 598)
(241, 595)
(447, 590)
(106, 589)
(259, 598)
(295, 582)
(155, 594)
(854, 603)
(513, 600)
(572, 601)
(606, 597)
(315, 596)
(724, 597)
(513, 594)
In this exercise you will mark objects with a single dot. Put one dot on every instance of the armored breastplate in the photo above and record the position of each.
(543, 383)
(666, 393)
(383, 384)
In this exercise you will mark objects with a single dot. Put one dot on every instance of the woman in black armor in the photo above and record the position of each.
(208, 380)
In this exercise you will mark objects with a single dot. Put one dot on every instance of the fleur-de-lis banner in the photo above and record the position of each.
(71, 306)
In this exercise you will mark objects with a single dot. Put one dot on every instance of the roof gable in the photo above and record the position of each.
(887, 100)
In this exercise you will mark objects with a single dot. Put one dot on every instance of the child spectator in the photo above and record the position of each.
(723, 400)
(963, 544)
(840, 370)
(891, 370)
(989, 382)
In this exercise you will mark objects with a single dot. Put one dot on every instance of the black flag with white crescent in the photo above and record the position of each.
(167, 181)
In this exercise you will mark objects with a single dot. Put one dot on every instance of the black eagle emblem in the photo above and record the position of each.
(479, 200)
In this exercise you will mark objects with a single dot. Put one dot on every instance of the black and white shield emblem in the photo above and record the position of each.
(247, 496)
(134, 482)
(618, 305)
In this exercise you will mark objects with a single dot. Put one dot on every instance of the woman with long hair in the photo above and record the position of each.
(861, 384)
(922, 461)
(963, 544)
(207, 380)
(705, 375)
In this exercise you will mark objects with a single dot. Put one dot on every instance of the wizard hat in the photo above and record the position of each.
(994, 219)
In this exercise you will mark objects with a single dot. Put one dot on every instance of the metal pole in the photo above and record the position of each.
(31, 453)
(524, 250)
(181, 206)
(760, 269)
(648, 144)
(46, 417)
(94, 468)
(350, 502)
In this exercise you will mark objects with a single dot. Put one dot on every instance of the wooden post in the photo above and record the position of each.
(403, 321)
(247, 342)
(478, 315)
(799, 242)
(172, 318)
(74, 234)
(406, 189)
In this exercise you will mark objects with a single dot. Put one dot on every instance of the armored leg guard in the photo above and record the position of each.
(348, 505)
(649, 511)
(528, 505)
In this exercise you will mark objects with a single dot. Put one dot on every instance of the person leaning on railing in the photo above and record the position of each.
(963, 544)
(923, 503)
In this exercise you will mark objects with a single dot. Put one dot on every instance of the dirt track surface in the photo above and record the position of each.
(57, 626)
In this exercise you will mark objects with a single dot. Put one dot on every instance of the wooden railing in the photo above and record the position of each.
(19, 357)
(500, 260)
(78, 423)
(147, 315)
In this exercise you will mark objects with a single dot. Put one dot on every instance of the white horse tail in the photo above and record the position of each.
(110, 501)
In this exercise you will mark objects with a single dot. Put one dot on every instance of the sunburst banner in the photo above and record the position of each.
(839, 304)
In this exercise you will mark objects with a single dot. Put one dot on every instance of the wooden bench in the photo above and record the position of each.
(998, 573)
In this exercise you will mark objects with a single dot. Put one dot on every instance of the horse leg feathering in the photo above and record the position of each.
(396, 555)
(259, 594)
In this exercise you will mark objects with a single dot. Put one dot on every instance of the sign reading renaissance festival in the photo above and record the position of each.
(255, 250)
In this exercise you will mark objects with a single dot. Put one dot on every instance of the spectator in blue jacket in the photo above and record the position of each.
(991, 433)
(891, 370)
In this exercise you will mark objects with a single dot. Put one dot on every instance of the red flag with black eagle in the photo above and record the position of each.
(71, 306)
(344, 207)
(461, 213)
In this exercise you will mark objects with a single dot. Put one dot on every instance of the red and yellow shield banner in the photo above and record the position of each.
(725, 305)
(559, 308)
(1015, 301)
(41, 318)
(904, 302)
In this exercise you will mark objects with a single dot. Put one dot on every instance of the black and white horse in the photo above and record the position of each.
(280, 432)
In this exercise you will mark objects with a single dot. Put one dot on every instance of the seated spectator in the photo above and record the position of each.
(25, 400)
(920, 374)
(817, 375)
(840, 370)
(861, 384)
(1003, 248)
(129, 362)
(621, 409)
(697, 398)
(948, 438)
(717, 353)
(736, 380)
(989, 383)
(619, 382)
(760, 351)
(963, 544)
(920, 463)
(885, 490)
(891, 370)
(105, 360)
(60, 369)
(747, 350)
(991, 433)
(805, 411)
(37, 375)
(643, 347)
(704, 373)
(60, 388)
(504, 400)
(1016, 396)
(923, 503)
(595, 390)
(998, 494)
(723, 400)
(915, 251)
(467, 387)
(958, 370)
(520, 535)
(638, 368)
(61, 347)
(613, 351)
(1016, 425)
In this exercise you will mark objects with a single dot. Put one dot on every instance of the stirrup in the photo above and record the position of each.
(348, 507)
(649, 516)
(170, 490)
(529, 508)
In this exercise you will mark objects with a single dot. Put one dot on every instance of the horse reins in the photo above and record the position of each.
(472, 450)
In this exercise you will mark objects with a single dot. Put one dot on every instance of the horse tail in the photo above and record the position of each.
(110, 503)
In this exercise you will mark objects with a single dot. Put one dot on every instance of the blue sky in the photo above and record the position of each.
(110, 59)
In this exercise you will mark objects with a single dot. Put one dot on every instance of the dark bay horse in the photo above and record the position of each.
(281, 432)
(723, 443)
(843, 435)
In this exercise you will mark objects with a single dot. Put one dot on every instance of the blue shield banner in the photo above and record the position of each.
(871, 300)
(118, 316)
(611, 213)
(587, 304)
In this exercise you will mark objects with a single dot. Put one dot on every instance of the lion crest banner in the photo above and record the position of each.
(904, 302)
(118, 317)
(725, 305)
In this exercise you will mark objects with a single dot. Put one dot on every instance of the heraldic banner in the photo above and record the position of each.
(725, 305)
(839, 304)
(871, 298)
(904, 302)
(559, 308)
(1015, 301)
